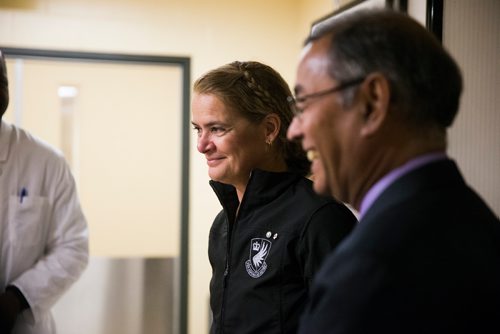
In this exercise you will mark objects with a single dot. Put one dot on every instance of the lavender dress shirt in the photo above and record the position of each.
(395, 174)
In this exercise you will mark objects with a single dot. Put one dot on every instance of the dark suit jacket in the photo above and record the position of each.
(425, 258)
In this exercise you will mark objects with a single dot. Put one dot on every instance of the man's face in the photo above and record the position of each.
(4, 86)
(326, 129)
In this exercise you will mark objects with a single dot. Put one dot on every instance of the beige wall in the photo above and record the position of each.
(118, 149)
(210, 32)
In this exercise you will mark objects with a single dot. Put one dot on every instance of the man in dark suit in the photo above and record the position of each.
(375, 93)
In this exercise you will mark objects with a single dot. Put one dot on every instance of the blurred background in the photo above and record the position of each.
(124, 128)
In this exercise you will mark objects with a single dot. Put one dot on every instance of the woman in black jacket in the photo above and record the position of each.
(274, 231)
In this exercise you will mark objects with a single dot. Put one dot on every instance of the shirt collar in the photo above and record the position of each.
(395, 174)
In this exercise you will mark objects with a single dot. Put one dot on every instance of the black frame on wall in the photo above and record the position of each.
(434, 18)
(185, 64)
(398, 5)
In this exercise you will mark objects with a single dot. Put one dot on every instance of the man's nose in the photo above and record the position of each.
(294, 131)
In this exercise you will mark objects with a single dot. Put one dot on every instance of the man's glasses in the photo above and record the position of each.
(303, 99)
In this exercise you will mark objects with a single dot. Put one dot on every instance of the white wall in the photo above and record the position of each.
(471, 32)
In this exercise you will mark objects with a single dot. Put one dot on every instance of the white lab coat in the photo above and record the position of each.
(43, 235)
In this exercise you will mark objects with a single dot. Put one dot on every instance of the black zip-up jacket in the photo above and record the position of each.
(263, 259)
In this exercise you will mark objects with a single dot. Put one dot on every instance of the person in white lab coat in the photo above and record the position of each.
(43, 232)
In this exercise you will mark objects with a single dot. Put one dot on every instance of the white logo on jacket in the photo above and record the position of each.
(259, 250)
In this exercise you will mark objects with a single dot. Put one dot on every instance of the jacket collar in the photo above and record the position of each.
(262, 188)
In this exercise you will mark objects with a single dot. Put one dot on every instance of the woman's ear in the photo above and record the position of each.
(376, 96)
(272, 124)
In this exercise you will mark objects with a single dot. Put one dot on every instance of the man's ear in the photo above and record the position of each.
(376, 96)
(272, 124)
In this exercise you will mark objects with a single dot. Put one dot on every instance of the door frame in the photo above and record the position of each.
(185, 64)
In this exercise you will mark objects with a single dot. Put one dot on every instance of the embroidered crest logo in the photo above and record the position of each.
(259, 249)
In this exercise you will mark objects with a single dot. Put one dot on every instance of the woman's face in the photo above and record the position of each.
(232, 145)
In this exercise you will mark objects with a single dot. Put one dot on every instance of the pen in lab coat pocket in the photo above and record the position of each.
(22, 194)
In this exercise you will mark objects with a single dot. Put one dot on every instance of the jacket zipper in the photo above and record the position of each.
(227, 270)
